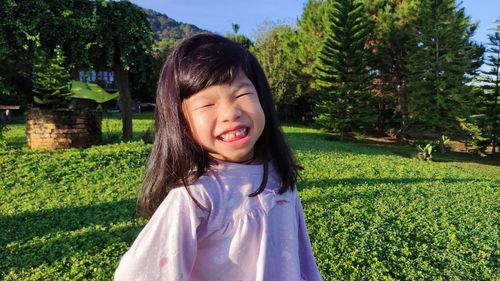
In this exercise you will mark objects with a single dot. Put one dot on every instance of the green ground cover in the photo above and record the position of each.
(371, 214)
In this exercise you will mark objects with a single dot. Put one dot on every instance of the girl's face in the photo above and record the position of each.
(227, 119)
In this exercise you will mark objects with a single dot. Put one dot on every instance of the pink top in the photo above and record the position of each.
(240, 238)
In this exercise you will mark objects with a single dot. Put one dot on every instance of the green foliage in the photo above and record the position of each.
(51, 80)
(371, 214)
(236, 28)
(344, 102)
(3, 141)
(489, 100)
(424, 153)
(165, 28)
(392, 44)
(3, 57)
(123, 43)
(72, 212)
(438, 67)
(472, 126)
(275, 48)
(92, 91)
(239, 38)
(123, 35)
(312, 32)
(483, 125)
(34, 26)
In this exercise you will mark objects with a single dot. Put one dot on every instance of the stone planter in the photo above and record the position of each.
(63, 128)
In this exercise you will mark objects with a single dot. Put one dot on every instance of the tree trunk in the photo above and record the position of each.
(126, 100)
(403, 99)
(494, 114)
(441, 142)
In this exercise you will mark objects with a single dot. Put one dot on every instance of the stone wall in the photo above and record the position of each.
(61, 128)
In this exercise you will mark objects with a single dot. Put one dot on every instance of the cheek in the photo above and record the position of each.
(200, 126)
(258, 112)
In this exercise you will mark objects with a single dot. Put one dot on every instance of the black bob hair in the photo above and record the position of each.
(176, 160)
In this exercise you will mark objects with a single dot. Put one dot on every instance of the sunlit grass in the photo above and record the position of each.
(372, 213)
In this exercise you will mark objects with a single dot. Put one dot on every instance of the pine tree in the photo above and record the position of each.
(491, 90)
(392, 46)
(437, 81)
(344, 103)
(51, 80)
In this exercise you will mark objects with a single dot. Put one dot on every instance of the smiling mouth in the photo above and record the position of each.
(234, 135)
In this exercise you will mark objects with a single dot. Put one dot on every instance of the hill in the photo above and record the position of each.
(167, 28)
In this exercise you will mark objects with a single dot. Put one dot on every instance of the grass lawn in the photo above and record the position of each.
(372, 214)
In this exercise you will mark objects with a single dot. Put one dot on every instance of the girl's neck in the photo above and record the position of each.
(251, 160)
(255, 159)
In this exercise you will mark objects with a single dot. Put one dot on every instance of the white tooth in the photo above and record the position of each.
(233, 134)
(241, 132)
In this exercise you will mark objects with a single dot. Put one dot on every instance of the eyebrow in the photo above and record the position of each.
(245, 84)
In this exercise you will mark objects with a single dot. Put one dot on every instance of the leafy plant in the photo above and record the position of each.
(425, 153)
(92, 91)
(445, 140)
(360, 136)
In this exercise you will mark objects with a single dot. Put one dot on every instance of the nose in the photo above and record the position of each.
(230, 112)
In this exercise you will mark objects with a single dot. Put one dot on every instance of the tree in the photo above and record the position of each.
(33, 26)
(275, 48)
(144, 83)
(344, 78)
(488, 110)
(239, 38)
(312, 32)
(312, 28)
(236, 28)
(51, 80)
(438, 67)
(123, 41)
(20, 25)
(492, 87)
(4, 50)
(392, 45)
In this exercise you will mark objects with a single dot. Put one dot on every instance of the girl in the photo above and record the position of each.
(220, 183)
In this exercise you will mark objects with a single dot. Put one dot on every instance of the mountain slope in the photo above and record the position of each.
(167, 28)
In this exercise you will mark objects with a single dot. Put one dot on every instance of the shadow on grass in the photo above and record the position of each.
(18, 120)
(16, 142)
(320, 142)
(317, 142)
(51, 251)
(23, 236)
(26, 226)
(409, 151)
(135, 116)
(331, 183)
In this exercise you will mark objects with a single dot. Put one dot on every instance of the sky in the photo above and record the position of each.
(219, 15)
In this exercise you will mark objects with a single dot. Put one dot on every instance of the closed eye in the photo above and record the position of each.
(204, 106)
(242, 95)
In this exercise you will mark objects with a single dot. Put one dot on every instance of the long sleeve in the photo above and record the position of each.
(308, 269)
(167, 246)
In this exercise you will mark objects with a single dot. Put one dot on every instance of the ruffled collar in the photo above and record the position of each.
(238, 168)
